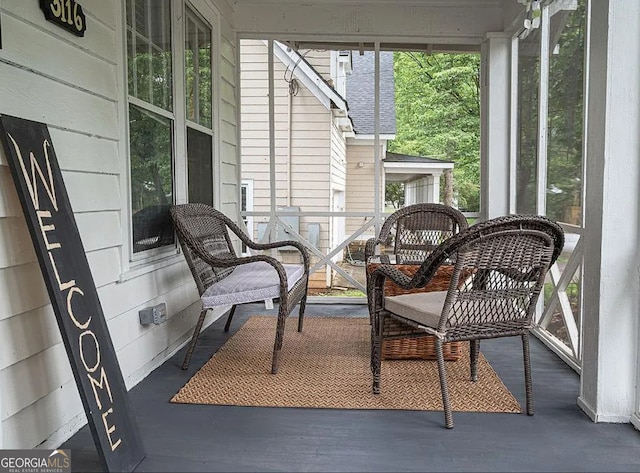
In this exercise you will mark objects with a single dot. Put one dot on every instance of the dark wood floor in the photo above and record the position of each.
(186, 438)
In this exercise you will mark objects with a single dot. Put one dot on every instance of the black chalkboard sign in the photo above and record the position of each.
(73, 294)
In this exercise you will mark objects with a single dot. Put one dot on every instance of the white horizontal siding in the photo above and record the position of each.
(117, 298)
(39, 98)
(79, 152)
(37, 375)
(28, 334)
(27, 425)
(338, 158)
(18, 249)
(104, 265)
(306, 163)
(320, 60)
(22, 289)
(104, 191)
(229, 150)
(127, 329)
(309, 138)
(70, 64)
(71, 84)
(360, 183)
(9, 203)
(99, 39)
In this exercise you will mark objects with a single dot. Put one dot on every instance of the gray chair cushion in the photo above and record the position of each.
(422, 307)
(425, 308)
(250, 283)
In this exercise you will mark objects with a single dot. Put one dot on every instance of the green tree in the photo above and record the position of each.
(394, 194)
(438, 115)
(565, 118)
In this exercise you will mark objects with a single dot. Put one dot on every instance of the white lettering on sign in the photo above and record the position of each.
(87, 342)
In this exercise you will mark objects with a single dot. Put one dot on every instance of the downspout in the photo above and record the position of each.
(379, 199)
(288, 164)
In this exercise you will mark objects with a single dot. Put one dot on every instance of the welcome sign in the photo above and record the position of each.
(73, 294)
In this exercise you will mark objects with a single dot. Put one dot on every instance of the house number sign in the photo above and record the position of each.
(65, 13)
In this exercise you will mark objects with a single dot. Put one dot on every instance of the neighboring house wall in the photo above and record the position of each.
(361, 178)
(338, 187)
(303, 144)
(320, 60)
(74, 86)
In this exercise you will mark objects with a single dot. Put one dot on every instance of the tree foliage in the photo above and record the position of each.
(394, 194)
(565, 119)
(438, 115)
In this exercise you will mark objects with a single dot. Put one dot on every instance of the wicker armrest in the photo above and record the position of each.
(370, 248)
(268, 246)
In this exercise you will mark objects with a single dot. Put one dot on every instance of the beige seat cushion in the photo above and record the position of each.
(422, 307)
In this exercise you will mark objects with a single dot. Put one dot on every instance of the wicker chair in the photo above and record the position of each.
(408, 236)
(506, 259)
(415, 230)
(225, 279)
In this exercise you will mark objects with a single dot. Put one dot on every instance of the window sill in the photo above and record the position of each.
(142, 269)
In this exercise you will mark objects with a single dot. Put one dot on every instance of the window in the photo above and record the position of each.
(565, 115)
(198, 70)
(149, 52)
(151, 122)
(200, 167)
(151, 178)
(198, 95)
(160, 133)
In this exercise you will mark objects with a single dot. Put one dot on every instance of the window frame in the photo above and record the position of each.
(210, 131)
(136, 264)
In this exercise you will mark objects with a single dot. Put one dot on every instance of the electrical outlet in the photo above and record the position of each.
(156, 314)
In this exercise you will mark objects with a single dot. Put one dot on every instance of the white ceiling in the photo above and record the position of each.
(437, 24)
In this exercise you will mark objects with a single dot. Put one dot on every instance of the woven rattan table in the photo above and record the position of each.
(394, 345)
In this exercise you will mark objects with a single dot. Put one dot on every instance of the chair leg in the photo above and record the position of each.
(229, 317)
(527, 373)
(448, 417)
(277, 346)
(303, 305)
(376, 352)
(474, 350)
(194, 339)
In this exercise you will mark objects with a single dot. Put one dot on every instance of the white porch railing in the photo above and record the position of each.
(372, 220)
(556, 311)
(557, 308)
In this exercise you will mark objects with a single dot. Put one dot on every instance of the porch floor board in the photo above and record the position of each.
(190, 438)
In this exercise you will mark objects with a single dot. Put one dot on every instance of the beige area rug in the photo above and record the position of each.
(327, 366)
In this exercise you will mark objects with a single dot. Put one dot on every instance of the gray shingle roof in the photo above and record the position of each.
(360, 96)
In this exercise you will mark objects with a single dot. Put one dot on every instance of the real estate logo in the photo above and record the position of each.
(35, 461)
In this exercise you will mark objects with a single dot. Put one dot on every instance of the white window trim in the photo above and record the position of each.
(134, 265)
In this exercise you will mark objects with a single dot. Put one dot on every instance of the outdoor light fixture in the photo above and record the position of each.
(532, 19)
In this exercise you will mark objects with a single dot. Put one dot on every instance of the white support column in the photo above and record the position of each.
(495, 95)
(608, 391)
(432, 188)
(378, 192)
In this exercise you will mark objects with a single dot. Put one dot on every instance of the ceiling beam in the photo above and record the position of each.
(419, 23)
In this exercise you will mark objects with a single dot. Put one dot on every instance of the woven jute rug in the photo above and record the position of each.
(327, 366)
